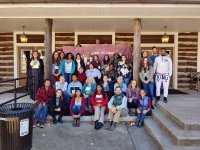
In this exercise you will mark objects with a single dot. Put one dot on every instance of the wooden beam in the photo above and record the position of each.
(48, 47)
(137, 49)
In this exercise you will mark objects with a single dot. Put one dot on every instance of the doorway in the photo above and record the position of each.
(24, 56)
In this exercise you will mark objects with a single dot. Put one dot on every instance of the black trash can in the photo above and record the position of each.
(16, 126)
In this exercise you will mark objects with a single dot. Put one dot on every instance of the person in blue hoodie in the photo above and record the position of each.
(88, 89)
(72, 87)
(68, 67)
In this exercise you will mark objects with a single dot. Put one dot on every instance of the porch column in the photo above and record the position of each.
(48, 48)
(136, 48)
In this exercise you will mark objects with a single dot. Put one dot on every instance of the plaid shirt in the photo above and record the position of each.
(43, 96)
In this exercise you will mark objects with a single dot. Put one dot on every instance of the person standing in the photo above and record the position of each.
(124, 70)
(68, 67)
(155, 54)
(35, 71)
(146, 76)
(56, 70)
(79, 62)
(163, 70)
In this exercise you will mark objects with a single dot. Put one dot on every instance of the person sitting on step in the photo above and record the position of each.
(117, 107)
(88, 89)
(77, 107)
(132, 94)
(57, 106)
(44, 95)
(144, 108)
(99, 101)
(121, 84)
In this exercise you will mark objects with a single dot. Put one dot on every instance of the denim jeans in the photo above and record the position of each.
(76, 109)
(149, 89)
(126, 80)
(68, 77)
(41, 113)
(88, 103)
(67, 102)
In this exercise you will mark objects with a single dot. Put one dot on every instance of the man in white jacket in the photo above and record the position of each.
(163, 71)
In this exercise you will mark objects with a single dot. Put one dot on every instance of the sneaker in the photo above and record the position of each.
(165, 99)
(42, 124)
(112, 127)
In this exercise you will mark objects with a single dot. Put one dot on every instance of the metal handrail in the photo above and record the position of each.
(16, 88)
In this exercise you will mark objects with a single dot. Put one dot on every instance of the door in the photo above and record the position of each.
(24, 54)
(169, 51)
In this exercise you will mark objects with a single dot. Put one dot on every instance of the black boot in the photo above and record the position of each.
(97, 125)
(54, 120)
(157, 98)
(100, 124)
(165, 99)
(60, 120)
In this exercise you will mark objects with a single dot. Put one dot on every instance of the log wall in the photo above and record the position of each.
(64, 39)
(6, 57)
(187, 57)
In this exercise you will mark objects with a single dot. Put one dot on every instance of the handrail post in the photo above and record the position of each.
(15, 95)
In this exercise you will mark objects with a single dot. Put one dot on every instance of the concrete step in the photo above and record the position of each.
(161, 139)
(178, 135)
(183, 118)
(91, 118)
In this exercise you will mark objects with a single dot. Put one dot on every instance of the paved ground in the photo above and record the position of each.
(66, 137)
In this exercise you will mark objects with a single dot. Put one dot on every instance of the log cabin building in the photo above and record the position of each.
(82, 21)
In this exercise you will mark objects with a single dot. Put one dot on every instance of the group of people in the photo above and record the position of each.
(85, 86)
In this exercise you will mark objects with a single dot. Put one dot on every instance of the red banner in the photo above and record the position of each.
(100, 50)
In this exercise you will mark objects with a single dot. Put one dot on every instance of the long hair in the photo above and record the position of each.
(106, 61)
(61, 97)
(32, 58)
(102, 91)
(130, 85)
(57, 61)
(142, 64)
(80, 91)
(126, 62)
(67, 55)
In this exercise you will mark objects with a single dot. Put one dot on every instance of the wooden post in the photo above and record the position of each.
(48, 48)
(137, 49)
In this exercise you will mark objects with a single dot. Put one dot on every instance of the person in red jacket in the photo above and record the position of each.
(81, 75)
(77, 107)
(99, 101)
(44, 95)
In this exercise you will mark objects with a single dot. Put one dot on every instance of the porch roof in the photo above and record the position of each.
(103, 1)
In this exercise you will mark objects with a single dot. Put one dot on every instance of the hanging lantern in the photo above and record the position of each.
(165, 37)
(23, 37)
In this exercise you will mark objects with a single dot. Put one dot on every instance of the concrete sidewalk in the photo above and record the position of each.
(66, 137)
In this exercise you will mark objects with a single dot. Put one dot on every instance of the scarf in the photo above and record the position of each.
(118, 99)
